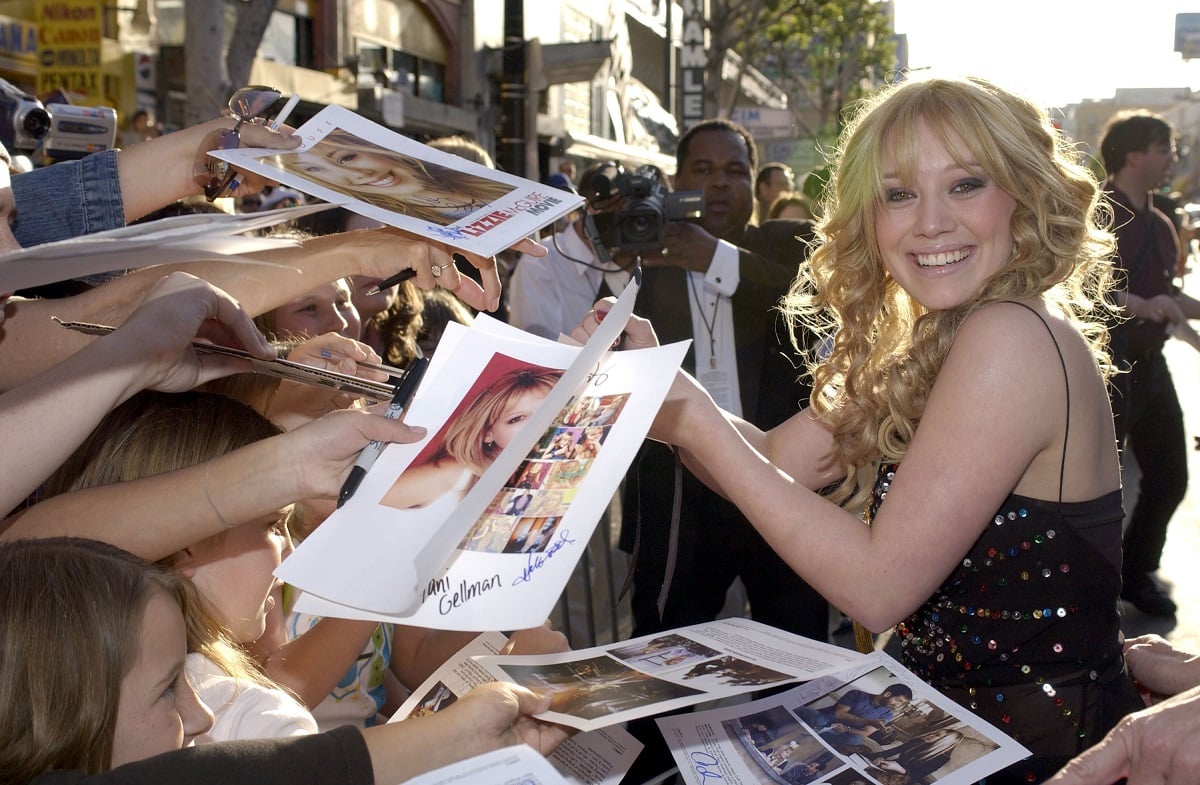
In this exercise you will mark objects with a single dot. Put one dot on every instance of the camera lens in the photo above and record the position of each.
(641, 227)
(36, 122)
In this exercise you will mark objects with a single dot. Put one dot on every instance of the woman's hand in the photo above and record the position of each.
(177, 310)
(336, 352)
(381, 253)
(207, 169)
(296, 403)
(319, 455)
(258, 134)
(638, 334)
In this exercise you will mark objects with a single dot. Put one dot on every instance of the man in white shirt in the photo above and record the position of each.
(716, 283)
(551, 294)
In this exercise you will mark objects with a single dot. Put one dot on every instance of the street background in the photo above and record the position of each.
(1181, 559)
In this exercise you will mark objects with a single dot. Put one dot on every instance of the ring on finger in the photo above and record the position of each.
(437, 269)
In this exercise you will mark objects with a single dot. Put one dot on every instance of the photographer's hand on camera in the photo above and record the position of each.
(686, 245)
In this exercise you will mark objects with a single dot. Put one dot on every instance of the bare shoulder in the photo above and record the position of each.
(1022, 334)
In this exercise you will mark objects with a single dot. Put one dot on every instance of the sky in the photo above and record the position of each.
(1055, 52)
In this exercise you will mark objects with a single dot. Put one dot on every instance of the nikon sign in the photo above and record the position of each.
(69, 34)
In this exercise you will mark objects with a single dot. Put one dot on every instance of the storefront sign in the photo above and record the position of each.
(69, 33)
(693, 62)
(18, 41)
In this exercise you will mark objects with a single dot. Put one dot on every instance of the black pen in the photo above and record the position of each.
(366, 458)
(402, 276)
(392, 280)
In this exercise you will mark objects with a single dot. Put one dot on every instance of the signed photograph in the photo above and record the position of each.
(348, 160)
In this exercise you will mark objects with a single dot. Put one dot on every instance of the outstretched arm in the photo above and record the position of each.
(32, 342)
(309, 462)
(987, 431)
(162, 170)
(43, 421)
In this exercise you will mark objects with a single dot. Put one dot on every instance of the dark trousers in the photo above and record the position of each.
(716, 545)
(1154, 434)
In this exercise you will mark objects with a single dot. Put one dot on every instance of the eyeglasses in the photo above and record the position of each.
(217, 177)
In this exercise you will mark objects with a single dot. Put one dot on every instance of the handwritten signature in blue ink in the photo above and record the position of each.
(538, 560)
(445, 232)
(701, 761)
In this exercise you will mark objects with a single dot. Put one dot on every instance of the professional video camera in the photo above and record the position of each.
(637, 225)
(60, 130)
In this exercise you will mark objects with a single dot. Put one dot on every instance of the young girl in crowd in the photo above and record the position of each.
(471, 440)
(153, 433)
(392, 181)
(93, 679)
(156, 433)
(326, 309)
(962, 274)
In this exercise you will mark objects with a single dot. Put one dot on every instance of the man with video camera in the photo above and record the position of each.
(716, 282)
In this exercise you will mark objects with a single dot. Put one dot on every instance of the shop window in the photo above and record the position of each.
(403, 71)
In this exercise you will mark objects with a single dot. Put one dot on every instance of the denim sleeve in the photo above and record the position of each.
(67, 199)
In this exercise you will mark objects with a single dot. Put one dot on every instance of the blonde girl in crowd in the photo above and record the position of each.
(153, 433)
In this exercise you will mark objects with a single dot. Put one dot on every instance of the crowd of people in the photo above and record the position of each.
(952, 451)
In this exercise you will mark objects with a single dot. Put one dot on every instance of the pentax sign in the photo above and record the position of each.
(693, 62)
(69, 33)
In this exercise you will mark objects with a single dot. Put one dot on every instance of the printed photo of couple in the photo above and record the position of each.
(776, 747)
(876, 724)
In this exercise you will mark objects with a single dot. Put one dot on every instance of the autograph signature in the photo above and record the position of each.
(538, 560)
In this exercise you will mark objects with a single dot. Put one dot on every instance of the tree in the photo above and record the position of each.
(822, 53)
(211, 77)
(826, 55)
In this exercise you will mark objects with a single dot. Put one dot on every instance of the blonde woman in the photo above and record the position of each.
(962, 406)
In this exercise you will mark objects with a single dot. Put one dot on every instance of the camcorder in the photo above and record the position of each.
(61, 131)
(637, 224)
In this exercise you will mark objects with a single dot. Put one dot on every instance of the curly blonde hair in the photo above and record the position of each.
(884, 348)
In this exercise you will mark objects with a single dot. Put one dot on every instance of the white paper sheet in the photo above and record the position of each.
(499, 557)
(183, 238)
(517, 765)
(606, 685)
(494, 222)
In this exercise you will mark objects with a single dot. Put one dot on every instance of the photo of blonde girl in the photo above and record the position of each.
(354, 167)
(503, 398)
